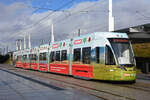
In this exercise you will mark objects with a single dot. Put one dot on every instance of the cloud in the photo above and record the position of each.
(16, 19)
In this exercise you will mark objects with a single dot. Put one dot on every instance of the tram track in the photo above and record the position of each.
(14, 73)
(92, 91)
(76, 85)
(146, 89)
(133, 86)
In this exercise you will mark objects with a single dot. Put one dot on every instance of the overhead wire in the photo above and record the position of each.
(53, 11)
(80, 11)
(76, 12)
(62, 11)
(93, 5)
(127, 24)
(39, 21)
(13, 35)
(146, 17)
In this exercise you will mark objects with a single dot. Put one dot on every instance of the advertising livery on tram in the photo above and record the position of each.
(99, 55)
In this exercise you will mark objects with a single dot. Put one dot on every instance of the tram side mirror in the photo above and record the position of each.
(109, 57)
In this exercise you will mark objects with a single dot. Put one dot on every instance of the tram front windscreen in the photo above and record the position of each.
(123, 51)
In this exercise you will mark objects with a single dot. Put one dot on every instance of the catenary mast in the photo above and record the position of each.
(111, 18)
(24, 41)
(52, 34)
(29, 41)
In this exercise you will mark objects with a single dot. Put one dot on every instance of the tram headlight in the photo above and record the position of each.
(111, 70)
(123, 68)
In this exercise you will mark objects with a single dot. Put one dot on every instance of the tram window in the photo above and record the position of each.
(18, 58)
(52, 56)
(109, 60)
(34, 57)
(57, 55)
(24, 57)
(63, 55)
(86, 55)
(43, 56)
(77, 54)
(30, 56)
(97, 55)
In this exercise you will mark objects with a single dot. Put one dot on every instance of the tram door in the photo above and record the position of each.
(81, 63)
(33, 61)
(99, 62)
(43, 61)
(110, 63)
(26, 62)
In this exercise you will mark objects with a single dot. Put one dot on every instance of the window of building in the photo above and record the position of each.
(109, 60)
(86, 55)
(63, 55)
(97, 55)
(77, 54)
(57, 55)
(52, 56)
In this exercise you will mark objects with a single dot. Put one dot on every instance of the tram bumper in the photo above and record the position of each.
(125, 76)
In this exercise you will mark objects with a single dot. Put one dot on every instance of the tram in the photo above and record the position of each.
(99, 56)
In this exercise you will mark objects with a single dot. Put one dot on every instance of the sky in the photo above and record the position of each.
(19, 17)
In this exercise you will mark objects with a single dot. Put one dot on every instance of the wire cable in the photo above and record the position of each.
(39, 21)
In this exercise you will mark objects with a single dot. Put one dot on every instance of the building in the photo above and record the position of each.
(140, 37)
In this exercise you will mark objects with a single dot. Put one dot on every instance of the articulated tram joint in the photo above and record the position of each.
(123, 68)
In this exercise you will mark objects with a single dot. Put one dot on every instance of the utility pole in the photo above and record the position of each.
(52, 34)
(16, 45)
(7, 49)
(29, 42)
(78, 32)
(20, 44)
(111, 18)
(41, 42)
(24, 41)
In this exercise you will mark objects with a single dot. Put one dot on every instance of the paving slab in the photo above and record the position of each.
(15, 87)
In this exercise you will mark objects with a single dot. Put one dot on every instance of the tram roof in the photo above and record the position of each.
(105, 35)
(95, 34)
